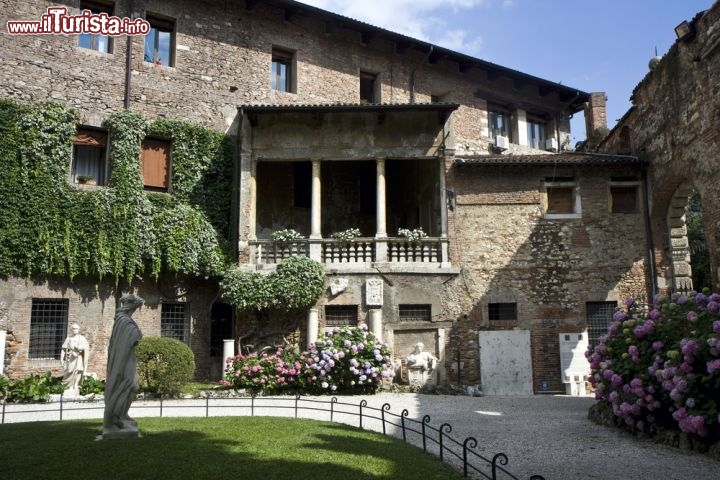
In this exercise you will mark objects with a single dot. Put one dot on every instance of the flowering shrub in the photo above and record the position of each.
(412, 235)
(346, 235)
(343, 359)
(660, 366)
(287, 235)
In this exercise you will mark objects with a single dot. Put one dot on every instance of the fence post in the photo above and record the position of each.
(61, 405)
(3, 411)
(207, 405)
(472, 444)
(161, 405)
(403, 414)
(252, 405)
(297, 397)
(363, 403)
(384, 408)
(425, 421)
(333, 401)
(500, 458)
(444, 428)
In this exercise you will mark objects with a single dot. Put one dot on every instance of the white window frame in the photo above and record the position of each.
(577, 205)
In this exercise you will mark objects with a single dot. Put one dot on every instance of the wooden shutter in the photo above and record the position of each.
(560, 200)
(155, 164)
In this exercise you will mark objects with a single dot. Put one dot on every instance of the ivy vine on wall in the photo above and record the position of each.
(120, 231)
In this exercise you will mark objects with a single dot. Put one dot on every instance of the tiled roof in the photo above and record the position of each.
(348, 107)
(559, 159)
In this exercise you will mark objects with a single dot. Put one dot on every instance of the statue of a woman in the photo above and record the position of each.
(74, 357)
(121, 380)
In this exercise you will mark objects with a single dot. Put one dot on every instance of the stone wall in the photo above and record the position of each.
(674, 124)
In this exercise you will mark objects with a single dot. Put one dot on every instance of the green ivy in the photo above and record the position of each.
(298, 282)
(51, 228)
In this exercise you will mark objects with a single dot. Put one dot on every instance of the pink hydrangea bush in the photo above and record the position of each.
(341, 360)
(659, 366)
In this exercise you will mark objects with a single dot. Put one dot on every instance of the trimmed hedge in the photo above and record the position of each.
(165, 365)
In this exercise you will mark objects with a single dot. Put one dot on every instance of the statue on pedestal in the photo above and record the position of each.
(121, 383)
(74, 356)
(421, 365)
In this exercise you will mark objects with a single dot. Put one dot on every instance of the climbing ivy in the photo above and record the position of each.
(296, 283)
(51, 228)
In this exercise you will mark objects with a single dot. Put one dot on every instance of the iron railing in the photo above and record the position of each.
(436, 440)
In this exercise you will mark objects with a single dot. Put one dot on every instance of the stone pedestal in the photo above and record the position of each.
(312, 326)
(228, 352)
(124, 434)
(376, 323)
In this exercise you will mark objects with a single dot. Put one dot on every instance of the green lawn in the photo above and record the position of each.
(217, 448)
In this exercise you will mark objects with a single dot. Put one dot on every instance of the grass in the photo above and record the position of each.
(212, 448)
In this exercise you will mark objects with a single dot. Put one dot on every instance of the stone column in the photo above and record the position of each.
(252, 213)
(443, 198)
(312, 326)
(375, 319)
(228, 351)
(380, 212)
(316, 213)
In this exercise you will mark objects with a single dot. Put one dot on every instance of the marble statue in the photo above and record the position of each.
(421, 365)
(74, 356)
(121, 382)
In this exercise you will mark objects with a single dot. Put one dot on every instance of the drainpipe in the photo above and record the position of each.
(648, 235)
(128, 60)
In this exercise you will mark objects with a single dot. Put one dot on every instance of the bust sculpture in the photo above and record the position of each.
(74, 356)
(121, 383)
(421, 360)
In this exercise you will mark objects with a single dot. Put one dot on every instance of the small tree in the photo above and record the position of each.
(165, 365)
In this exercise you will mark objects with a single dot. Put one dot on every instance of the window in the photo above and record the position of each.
(562, 198)
(502, 311)
(498, 122)
(281, 76)
(536, 133)
(302, 184)
(341, 315)
(624, 195)
(415, 313)
(599, 317)
(174, 321)
(89, 159)
(48, 327)
(155, 164)
(100, 43)
(160, 42)
(368, 88)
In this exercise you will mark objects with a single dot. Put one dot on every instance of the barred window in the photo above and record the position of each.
(174, 320)
(341, 315)
(599, 317)
(502, 311)
(415, 313)
(48, 327)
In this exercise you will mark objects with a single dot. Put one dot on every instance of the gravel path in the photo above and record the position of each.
(546, 435)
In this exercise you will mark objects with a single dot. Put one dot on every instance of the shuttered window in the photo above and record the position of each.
(155, 162)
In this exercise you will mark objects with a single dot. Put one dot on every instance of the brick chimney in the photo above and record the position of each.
(596, 116)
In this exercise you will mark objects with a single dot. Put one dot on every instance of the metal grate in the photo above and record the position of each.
(341, 315)
(173, 321)
(599, 316)
(502, 311)
(415, 313)
(48, 327)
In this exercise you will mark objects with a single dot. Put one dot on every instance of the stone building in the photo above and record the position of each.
(338, 124)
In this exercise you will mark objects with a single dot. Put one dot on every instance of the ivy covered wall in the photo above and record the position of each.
(50, 227)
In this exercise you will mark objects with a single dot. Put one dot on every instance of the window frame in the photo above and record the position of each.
(405, 308)
(565, 183)
(535, 124)
(170, 324)
(624, 183)
(97, 7)
(339, 309)
(594, 332)
(494, 112)
(158, 25)
(41, 350)
(168, 170)
(374, 77)
(283, 57)
(100, 135)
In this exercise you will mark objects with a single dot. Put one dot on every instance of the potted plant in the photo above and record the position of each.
(287, 235)
(412, 235)
(86, 180)
(346, 236)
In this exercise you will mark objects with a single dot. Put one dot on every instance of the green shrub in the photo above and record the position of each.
(34, 388)
(165, 365)
(92, 386)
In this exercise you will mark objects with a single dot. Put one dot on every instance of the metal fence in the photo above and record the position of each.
(432, 439)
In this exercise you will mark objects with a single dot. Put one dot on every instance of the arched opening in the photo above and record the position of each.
(699, 252)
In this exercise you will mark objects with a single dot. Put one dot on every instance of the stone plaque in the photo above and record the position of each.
(374, 292)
